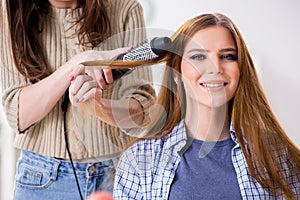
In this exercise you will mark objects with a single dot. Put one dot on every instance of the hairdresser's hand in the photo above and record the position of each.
(83, 87)
(102, 75)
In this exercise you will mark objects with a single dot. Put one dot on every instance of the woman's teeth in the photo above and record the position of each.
(213, 85)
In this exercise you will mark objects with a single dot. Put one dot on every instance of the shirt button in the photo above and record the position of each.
(170, 165)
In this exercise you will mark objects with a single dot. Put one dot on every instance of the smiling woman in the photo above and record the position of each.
(219, 139)
(210, 70)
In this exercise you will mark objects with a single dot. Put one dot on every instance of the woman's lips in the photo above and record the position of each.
(213, 84)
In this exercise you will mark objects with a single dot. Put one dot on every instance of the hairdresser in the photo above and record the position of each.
(63, 155)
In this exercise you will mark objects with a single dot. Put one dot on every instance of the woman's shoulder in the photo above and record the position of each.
(158, 143)
(144, 146)
(147, 153)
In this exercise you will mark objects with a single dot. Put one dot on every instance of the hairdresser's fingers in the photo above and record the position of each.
(108, 76)
(90, 94)
(92, 74)
(101, 82)
(76, 85)
(85, 89)
(103, 77)
(85, 80)
(98, 95)
(79, 69)
(99, 77)
(84, 95)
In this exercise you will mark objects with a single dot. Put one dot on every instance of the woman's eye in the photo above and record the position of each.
(229, 57)
(198, 57)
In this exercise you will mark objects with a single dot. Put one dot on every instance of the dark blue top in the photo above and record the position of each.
(206, 171)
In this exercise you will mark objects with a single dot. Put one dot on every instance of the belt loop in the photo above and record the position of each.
(56, 164)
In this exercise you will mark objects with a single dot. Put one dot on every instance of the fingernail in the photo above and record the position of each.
(71, 77)
(81, 99)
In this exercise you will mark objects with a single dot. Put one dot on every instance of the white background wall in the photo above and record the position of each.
(272, 32)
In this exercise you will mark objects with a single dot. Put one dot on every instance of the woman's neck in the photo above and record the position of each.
(207, 124)
(63, 4)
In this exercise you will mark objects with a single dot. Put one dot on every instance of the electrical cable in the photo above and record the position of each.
(64, 107)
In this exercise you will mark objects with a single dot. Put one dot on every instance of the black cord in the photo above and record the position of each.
(64, 107)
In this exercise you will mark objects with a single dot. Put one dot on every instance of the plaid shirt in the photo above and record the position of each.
(146, 170)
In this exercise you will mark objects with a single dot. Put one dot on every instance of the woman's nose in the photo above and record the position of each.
(214, 66)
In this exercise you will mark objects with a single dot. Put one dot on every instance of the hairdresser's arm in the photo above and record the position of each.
(123, 113)
(85, 92)
(37, 100)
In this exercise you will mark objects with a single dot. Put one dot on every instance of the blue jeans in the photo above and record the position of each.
(40, 177)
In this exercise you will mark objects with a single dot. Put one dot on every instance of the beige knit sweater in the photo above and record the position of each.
(88, 136)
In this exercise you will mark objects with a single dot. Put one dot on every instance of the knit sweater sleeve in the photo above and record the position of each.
(11, 80)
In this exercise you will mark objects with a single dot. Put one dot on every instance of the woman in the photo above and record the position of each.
(218, 138)
(42, 42)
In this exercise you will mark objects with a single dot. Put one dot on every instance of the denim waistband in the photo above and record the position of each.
(64, 166)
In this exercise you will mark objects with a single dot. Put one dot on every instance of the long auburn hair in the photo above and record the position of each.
(26, 20)
(262, 139)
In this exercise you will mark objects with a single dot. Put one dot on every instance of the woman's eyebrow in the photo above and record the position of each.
(228, 49)
(197, 50)
(205, 50)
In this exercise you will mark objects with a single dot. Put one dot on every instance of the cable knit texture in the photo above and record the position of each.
(88, 136)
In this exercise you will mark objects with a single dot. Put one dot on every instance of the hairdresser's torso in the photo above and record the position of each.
(90, 137)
